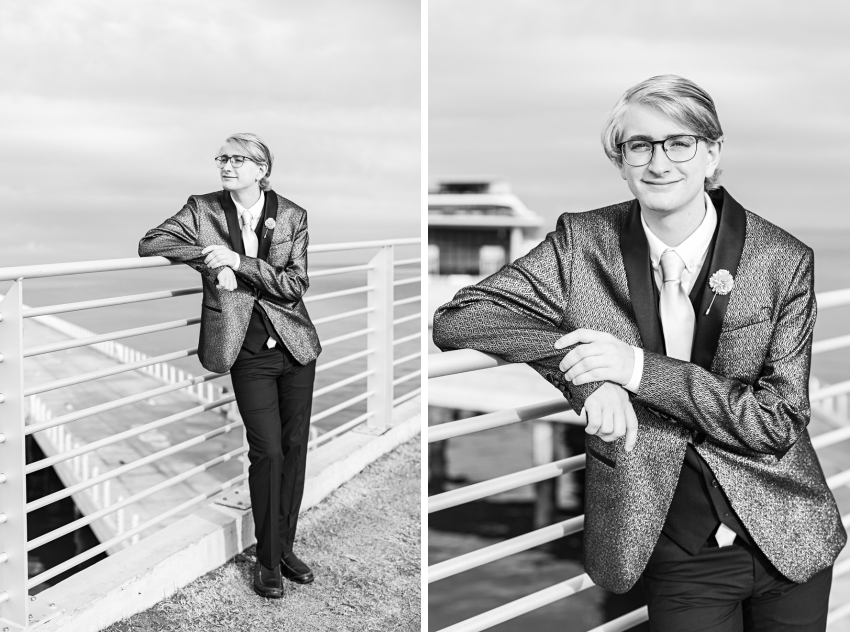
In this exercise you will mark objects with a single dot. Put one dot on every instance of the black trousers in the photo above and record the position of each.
(275, 395)
(729, 589)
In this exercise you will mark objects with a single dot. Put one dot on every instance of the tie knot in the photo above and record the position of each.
(671, 266)
(246, 219)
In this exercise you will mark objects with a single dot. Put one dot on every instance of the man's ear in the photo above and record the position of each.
(713, 162)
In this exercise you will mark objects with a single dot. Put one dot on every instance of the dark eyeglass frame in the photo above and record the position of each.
(222, 161)
(663, 144)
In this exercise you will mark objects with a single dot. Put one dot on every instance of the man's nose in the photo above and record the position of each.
(659, 162)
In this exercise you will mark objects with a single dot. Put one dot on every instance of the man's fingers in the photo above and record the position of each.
(584, 365)
(631, 427)
(594, 420)
(579, 353)
(603, 374)
(607, 426)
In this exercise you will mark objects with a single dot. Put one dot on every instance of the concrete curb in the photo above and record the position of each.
(136, 578)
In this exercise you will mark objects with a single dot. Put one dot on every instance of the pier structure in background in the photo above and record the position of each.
(93, 485)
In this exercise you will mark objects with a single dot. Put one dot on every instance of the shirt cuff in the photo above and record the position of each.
(637, 372)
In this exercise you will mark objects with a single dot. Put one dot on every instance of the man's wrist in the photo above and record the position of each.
(637, 371)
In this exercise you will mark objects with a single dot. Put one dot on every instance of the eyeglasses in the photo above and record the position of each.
(236, 161)
(681, 148)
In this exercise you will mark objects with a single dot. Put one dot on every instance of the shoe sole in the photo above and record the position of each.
(301, 579)
(268, 593)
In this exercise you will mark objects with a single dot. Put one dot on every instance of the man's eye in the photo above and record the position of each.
(639, 146)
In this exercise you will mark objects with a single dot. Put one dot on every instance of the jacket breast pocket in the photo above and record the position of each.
(212, 309)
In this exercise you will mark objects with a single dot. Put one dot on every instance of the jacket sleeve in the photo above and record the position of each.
(766, 417)
(176, 239)
(288, 282)
(518, 313)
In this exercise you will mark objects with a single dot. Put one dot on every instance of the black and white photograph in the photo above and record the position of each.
(638, 290)
(210, 316)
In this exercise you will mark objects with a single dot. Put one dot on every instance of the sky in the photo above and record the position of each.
(112, 113)
(522, 89)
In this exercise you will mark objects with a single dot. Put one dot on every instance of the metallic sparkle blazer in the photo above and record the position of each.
(743, 398)
(277, 277)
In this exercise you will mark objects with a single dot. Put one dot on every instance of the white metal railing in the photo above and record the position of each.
(24, 411)
(454, 362)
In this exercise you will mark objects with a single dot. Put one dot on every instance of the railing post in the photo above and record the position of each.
(14, 603)
(380, 340)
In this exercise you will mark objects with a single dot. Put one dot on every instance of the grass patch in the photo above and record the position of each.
(363, 544)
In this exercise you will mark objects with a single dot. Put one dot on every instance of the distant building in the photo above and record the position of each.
(475, 226)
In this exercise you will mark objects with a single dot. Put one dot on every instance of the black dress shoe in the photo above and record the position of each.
(268, 582)
(294, 569)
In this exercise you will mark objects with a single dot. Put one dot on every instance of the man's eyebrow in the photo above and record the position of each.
(638, 137)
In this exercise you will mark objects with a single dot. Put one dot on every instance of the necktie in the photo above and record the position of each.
(677, 313)
(249, 237)
(677, 320)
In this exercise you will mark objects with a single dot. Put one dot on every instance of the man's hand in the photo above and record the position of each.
(610, 415)
(601, 357)
(218, 256)
(226, 280)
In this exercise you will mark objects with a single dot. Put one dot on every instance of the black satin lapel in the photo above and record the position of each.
(635, 250)
(269, 212)
(232, 222)
(731, 231)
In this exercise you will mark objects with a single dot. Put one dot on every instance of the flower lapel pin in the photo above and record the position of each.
(721, 282)
(269, 224)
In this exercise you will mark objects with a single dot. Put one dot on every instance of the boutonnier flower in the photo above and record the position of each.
(269, 224)
(721, 282)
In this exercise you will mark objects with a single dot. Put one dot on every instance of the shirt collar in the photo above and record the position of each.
(256, 210)
(693, 248)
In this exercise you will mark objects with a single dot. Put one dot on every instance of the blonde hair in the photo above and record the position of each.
(256, 149)
(680, 99)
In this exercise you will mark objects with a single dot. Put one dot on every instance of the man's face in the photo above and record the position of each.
(664, 186)
(237, 178)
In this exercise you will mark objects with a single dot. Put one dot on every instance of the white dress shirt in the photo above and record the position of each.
(256, 212)
(692, 251)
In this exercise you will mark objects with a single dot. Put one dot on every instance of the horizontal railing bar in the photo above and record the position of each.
(407, 262)
(831, 344)
(625, 622)
(138, 263)
(129, 467)
(344, 382)
(501, 484)
(354, 312)
(114, 370)
(83, 267)
(522, 606)
(171, 482)
(838, 480)
(346, 269)
(407, 358)
(405, 319)
(118, 403)
(833, 298)
(496, 420)
(348, 336)
(407, 377)
(502, 550)
(353, 290)
(839, 388)
(32, 312)
(121, 436)
(341, 406)
(831, 437)
(407, 281)
(90, 553)
(344, 360)
(359, 245)
(407, 301)
(404, 339)
(409, 395)
(461, 361)
(348, 425)
(115, 335)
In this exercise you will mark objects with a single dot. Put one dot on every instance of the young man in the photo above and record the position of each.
(688, 325)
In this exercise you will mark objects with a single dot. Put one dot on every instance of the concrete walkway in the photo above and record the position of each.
(363, 543)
